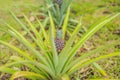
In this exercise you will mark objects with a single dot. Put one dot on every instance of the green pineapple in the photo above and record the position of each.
(59, 18)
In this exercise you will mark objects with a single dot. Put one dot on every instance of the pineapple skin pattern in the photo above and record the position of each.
(59, 43)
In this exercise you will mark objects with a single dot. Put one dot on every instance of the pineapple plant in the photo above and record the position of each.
(58, 12)
(59, 42)
(47, 64)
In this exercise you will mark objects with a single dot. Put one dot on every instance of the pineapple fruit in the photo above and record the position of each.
(59, 43)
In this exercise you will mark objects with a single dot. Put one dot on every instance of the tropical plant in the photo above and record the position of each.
(58, 10)
(48, 64)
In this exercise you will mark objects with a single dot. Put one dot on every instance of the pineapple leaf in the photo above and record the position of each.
(65, 24)
(7, 70)
(52, 33)
(26, 74)
(39, 38)
(16, 49)
(80, 65)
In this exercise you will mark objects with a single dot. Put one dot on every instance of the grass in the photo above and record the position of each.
(90, 14)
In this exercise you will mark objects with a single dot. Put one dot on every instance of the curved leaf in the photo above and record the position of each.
(80, 65)
(16, 49)
(65, 24)
(7, 70)
(52, 37)
(26, 74)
